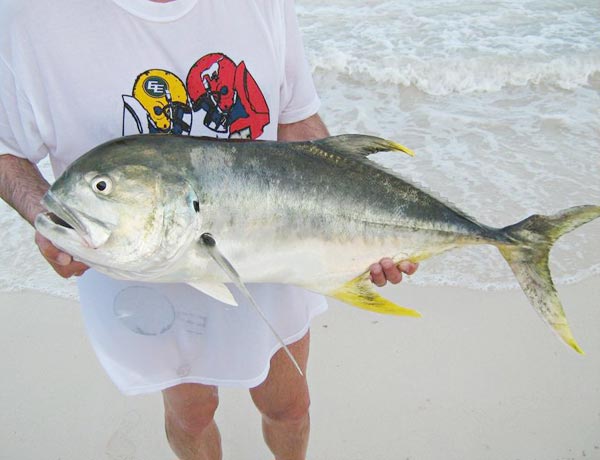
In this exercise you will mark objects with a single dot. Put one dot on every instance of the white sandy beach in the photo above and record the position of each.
(479, 377)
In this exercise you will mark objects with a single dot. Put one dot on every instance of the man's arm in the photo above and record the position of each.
(313, 128)
(22, 186)
(304, 130)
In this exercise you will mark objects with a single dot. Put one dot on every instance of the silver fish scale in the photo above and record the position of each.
(315, 190)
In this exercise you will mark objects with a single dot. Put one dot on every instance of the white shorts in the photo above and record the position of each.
(149, 337)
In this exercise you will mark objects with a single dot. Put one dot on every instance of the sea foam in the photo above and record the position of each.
(442, 47)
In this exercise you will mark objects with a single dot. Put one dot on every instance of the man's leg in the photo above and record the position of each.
(283, 400)
(191, 429)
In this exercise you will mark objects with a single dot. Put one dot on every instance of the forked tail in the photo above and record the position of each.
(528, 259)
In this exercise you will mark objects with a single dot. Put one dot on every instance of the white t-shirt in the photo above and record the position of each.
(76, 73)
(66, 67)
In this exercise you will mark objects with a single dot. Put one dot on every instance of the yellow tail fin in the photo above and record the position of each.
(528, 258)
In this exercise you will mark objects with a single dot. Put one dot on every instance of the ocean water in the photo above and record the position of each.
(499, 99)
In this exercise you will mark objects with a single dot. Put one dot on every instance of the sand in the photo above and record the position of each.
(479, 377)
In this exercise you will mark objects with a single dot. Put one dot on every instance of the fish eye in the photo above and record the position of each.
(102, 185)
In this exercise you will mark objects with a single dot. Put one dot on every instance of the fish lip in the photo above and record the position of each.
(57, 210)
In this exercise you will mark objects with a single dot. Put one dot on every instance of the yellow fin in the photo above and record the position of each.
(356, 144)
(401, 148)
(565, 333)
(360, 293)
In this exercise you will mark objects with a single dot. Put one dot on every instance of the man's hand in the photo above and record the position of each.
(22, 187)
(60, 261)
(386, 270)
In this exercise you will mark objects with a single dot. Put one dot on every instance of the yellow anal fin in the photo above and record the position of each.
(360, 293)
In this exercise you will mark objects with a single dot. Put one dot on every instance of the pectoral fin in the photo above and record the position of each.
(360, 293)
(216, 290)
(208, 241)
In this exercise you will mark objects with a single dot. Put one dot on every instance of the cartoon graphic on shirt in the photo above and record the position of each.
(223, 94)
(158, 104)
(230, 98)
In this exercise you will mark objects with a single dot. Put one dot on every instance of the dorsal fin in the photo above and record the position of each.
(359, 144)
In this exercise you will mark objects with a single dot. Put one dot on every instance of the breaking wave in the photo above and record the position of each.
(442, 47)
(459, 75)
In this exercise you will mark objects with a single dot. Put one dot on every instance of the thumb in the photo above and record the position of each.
(51, 252)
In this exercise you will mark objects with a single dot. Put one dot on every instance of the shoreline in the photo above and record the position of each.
(478, 377)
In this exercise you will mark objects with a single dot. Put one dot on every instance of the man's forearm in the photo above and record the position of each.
(22, 186)
(305, 130)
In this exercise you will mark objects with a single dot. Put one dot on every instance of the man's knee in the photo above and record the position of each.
(295, 408)
(284, 395)
(190, 408)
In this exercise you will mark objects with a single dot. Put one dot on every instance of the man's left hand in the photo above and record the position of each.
(386, 270)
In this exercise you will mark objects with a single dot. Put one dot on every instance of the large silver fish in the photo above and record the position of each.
(312, 214)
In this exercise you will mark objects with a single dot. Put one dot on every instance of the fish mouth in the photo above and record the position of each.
(57, 220)
(62, 220)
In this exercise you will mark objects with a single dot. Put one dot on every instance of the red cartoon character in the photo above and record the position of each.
(230, 97)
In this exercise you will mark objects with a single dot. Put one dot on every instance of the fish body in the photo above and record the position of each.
(312, 214)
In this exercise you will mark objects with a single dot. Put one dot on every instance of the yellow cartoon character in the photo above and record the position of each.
(159, 97)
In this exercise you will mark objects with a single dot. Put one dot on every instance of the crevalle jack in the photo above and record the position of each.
(165, 208)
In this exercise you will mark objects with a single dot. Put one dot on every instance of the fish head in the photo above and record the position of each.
(126, 215)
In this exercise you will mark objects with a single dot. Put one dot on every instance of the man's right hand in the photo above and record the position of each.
(60, 261)
(22, 186)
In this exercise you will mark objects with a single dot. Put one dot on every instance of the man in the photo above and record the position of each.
(76, 73)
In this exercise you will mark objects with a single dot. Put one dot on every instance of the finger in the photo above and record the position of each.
(377, 275)
(73, 269)
(77, 268)
(408, 267)
(391, 271)
(60, 261)
(51, 252)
